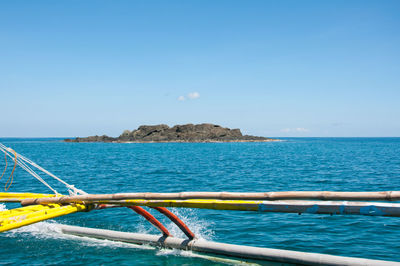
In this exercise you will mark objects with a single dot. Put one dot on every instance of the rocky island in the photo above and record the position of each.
(178, 133)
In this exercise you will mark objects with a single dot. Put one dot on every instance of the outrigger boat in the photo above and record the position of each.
(40, 207)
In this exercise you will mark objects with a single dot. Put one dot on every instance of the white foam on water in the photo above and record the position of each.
(41, 230)
(144, 227)
(51, 230)
(201, 228)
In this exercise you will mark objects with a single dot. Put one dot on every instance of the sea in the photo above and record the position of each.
(338, 164)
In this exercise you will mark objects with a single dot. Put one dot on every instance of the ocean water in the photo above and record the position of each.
(342, 164)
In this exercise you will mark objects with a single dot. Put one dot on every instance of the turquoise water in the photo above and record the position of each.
(345, 164)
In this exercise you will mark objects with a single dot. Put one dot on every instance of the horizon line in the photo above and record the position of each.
(266, 137)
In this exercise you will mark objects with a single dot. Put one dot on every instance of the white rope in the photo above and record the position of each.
(22, 161)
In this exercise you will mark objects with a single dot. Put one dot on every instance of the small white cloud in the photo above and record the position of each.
(190, 96)
(296, 130)
(193, 95)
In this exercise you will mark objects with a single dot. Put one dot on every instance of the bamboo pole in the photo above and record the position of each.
(303, 195)
(285, 206)
(288, 206)
(247, 252)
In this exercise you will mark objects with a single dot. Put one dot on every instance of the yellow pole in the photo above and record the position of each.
(15, 218)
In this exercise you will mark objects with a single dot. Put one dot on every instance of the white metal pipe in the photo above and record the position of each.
(247, 252)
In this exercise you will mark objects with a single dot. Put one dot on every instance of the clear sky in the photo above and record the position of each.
(271, 68)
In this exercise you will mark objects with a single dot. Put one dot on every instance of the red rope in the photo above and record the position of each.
(151, 219)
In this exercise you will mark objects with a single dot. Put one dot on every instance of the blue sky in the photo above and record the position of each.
(271, 68)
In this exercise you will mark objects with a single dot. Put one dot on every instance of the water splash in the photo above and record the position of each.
(201, 228)
(51, 230)
(41, 230)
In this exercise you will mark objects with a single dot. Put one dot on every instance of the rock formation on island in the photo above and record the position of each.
(178, 133)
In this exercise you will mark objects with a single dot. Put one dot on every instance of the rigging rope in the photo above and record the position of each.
(11, 178)
(23, 161)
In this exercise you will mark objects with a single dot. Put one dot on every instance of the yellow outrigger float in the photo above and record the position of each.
(15, 218)
(39, 207)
